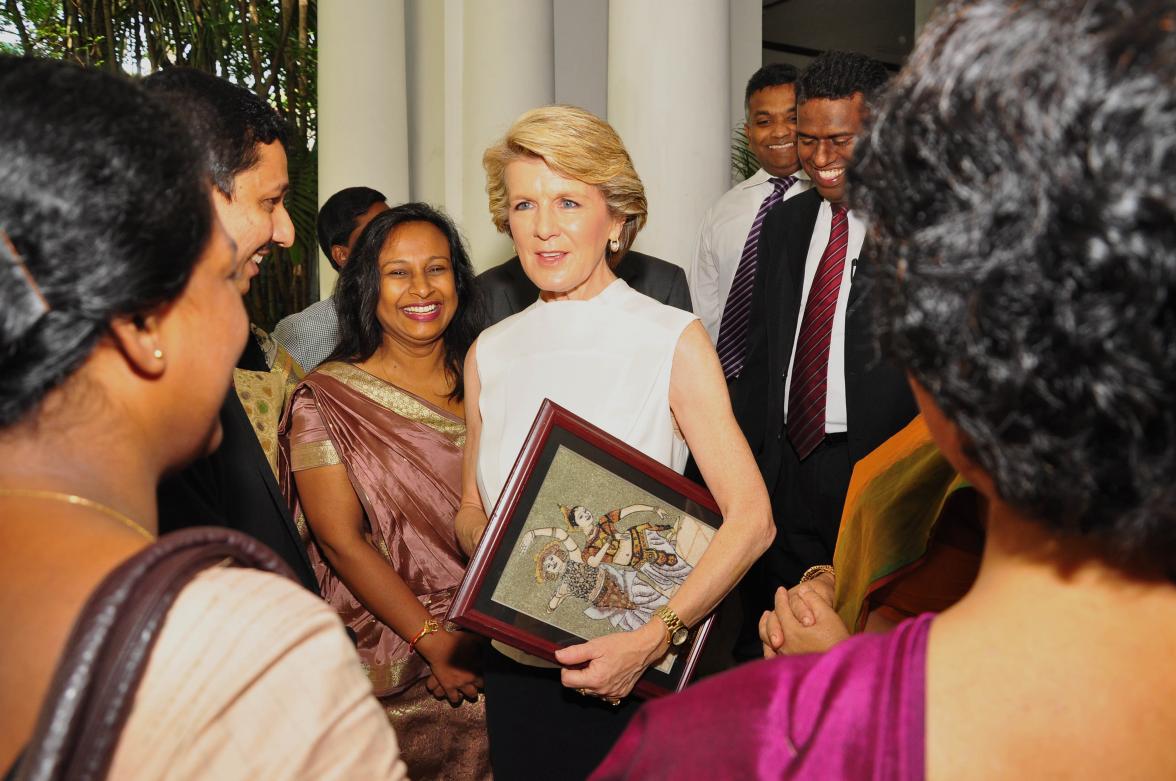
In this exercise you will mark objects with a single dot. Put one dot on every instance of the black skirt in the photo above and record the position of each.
(540, 729)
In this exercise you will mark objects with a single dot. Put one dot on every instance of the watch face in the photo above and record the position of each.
(680, 636)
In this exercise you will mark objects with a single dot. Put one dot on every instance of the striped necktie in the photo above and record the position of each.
(810, 368)
(732, 344)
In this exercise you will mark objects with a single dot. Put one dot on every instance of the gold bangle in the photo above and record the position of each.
(816, 571)
(431, 625)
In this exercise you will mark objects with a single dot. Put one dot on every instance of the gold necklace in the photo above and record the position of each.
(80, 501)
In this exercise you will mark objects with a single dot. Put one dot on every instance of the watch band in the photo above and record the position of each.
(675, 629)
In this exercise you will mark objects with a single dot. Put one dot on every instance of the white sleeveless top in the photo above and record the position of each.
(607, 359)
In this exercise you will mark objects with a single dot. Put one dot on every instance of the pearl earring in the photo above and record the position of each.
(613, 245)
(158, 354)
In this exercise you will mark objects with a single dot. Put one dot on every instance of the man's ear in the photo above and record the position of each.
(340, 255)
(138, 339)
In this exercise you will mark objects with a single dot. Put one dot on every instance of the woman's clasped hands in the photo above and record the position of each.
(803, 620)
(455, 665)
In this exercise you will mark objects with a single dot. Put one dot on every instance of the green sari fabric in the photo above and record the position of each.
(895, 498)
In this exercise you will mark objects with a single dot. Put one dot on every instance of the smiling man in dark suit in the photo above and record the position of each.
(244, 145)
(816, 396)
(506, 289)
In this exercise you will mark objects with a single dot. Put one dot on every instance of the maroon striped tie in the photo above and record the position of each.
(810, 367)
(732, 343)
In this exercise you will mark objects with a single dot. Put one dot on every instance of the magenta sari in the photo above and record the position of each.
(854, 712)
(403, 457)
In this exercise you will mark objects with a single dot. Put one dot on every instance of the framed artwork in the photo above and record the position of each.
(589, 537)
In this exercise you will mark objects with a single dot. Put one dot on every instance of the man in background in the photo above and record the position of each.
(725, 262)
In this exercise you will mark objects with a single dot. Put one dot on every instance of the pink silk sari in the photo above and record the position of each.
(854, 712)
(403, 457)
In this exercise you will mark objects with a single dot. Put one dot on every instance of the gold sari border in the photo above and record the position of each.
(310, 455)
(300, 525)
(396, 400)
(394, 675)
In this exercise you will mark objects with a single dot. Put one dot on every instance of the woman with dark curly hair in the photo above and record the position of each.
(371, 453)
(1020, 179)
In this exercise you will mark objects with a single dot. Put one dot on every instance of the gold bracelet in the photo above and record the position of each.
(816, 571)
(676, 630)
(431, 625)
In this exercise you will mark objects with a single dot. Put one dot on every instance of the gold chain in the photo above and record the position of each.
(80, 501)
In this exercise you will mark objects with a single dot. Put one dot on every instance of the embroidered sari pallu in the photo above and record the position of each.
(403, 459)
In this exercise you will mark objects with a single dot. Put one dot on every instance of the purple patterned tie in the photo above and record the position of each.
(732, 344)
(810, 368)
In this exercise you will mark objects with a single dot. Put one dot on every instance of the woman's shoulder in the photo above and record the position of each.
(250, 676)
(832, 715)
(650, 309)
(232, 624)
(249, 600)
(332, 380)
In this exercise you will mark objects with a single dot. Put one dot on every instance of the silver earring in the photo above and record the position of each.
(613, 245)
(158, 354)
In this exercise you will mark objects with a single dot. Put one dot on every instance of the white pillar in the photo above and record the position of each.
(425, 21)
(668, 97)
(747, 51)
(362, 103)
(581, 69)
(507, 68)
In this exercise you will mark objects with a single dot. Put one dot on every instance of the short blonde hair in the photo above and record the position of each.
(575, 144)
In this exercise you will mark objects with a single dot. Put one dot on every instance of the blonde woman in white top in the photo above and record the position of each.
(563, 187)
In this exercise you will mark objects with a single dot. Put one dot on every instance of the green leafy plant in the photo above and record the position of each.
(267, 46)
(743, 162)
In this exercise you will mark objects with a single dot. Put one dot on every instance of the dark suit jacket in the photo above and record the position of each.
(234, 487)
(878, 399)
(506, 289)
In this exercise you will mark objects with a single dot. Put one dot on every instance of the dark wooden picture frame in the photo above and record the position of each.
(474, 607)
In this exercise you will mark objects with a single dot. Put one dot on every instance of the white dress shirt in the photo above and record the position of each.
(835, 415)
(720, 244)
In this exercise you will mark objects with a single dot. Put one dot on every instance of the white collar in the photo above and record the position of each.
(761, 177)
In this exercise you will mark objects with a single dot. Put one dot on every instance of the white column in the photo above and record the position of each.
(581, 39)
(506, 69)
(362, 103)
(747, 51)
(668, 97)
(425, 22)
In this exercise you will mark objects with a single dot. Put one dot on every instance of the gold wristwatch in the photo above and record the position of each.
(676, 631)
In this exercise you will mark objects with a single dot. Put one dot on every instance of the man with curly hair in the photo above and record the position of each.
(815, 396)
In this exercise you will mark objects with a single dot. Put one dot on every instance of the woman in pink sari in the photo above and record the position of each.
(371, 452)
